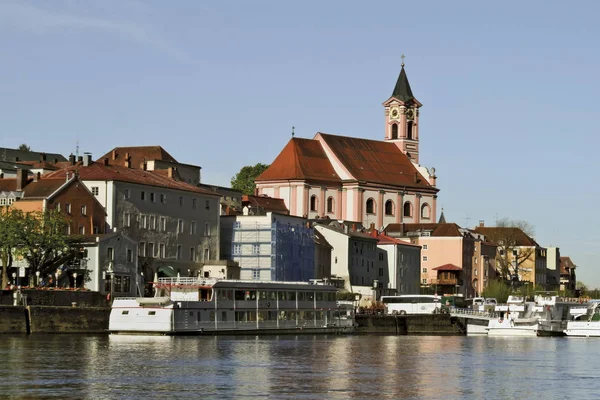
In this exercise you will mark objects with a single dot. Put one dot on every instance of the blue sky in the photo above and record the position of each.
(510, 91)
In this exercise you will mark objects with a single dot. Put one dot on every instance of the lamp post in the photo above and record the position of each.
(37, 278)
(75, 280)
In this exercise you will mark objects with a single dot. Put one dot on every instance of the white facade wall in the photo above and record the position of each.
(339, 254)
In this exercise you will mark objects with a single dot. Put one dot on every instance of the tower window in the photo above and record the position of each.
(330, 208)
(370, 206)
(389, 207)
(313, 203)
(409, 130)
(425, 211)
(407, 209)
(394, 131)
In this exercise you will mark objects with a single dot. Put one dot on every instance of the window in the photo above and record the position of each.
(237, 249)
(143, 195)
(95, 190)
(330, 208)
(409, 130)
(161, 249)
(425, 211)
(67, 208)
(424, 247)
(142, 249)
(394, 131)
(163, 224)
(192, 254)
(152, 197)
(83, 210)
(68, 230)
(150, 250)
(424, 258)
(82, 230)
(152, 220)
(144, 221)
(3, 203)
(407, 209)
(380, 271)
(178, 257)
(129, 255)
(110, 254)
(127, 194)
(424, 281)
(314, 202)
(380, 256)
(475, 272)
(207, 229)
(126, 219)
(10, 201)
(256, 273)
(194, 203)
(206, 254)
(424, 270)
(389, 207)
(163, 198)
(207, 205)
(370, 206)
(180, 226)
(256, 249)
(237, 224)
(181, 200)
(193, 228)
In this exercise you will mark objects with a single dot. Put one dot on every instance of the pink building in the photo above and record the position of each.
(362, 180)
(447, 254)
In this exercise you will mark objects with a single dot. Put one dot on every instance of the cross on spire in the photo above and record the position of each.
(402, 57)
(293, 127)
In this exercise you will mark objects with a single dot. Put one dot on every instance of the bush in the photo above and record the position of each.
(498, 290)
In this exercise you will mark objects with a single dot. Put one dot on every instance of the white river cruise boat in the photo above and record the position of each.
(209, 306)
(586, 325)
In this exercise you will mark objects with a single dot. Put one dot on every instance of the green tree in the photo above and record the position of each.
(9, 220)
(43, 240)
(24, 147)
(583, 289)
(244, 180)
(497, 289)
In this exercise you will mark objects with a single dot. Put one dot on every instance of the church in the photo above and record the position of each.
(361, 180)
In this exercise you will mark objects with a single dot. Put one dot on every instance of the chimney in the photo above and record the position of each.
(36, 177)
(127, 161)
(481, 223)
(87, 159)
(42, 157)
(105, 160)
(114, 154)
(72, 159)
(80, 159)
(372, 227)
(21, 179)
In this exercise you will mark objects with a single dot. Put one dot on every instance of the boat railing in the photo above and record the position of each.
(474, 313)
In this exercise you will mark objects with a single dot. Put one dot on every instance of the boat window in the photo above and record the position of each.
(309, 296)
(262, 316)
(282, 296)
(191, 314)
(224, 316)
(199, 318)
(240, 294)
(250, 295)
(319, 296)
(272, 315)
(205, 294)
(273, 295)
(212, 316)
(125, 312)
(151, 312)
(300, 296)
(262, 295)
(319, 315)
(291, 296)
(225, 294)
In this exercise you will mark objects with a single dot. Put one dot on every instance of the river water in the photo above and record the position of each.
(298, 367)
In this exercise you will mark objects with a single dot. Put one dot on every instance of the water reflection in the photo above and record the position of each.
(289, 366)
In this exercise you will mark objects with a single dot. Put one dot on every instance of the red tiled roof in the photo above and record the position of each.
(385, 239)
(500, 233)
(42, 188)
(565, 265)
(302, 159)
(99, 172)
(137, 155)
(375, 161)
(266, 203)
(448, 267)
(8, 185)
(443, 229)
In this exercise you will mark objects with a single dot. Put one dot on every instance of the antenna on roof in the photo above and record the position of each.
(77, 149)
(293, 127)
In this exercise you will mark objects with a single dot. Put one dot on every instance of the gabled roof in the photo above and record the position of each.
(402, 90)
(385, 239)
(100, 172)
(137, 154)
(265, 203)
(320, 240)
(302, 159)
(565, 265)
(440, 230)
(42, 189)
(497, 233)
(13, 155)
(8, 185)
(448, 267)
(375, 161)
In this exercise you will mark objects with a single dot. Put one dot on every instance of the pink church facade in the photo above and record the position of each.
(362, 180)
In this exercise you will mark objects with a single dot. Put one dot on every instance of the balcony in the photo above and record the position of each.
(447, 281)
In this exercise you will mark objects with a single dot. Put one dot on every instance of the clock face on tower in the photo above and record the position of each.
(394, 113)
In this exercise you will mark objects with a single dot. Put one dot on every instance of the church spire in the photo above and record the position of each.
(402, 90)
(442, 218)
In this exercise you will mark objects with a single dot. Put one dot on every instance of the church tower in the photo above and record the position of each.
(402, 117)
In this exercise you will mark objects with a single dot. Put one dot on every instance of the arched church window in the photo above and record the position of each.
(314, 202)
(407, 209)
(370, 206)
(425, 211)
(409, 130)
(330, 204)
(394, 131)
(389, 207)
